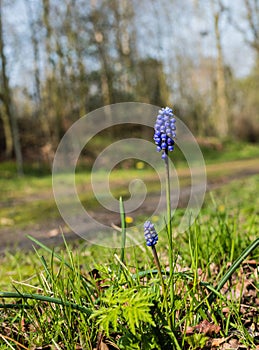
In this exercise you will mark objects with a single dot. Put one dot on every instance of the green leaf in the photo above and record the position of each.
(128, 306)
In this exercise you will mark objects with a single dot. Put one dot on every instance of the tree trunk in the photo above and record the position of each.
(221, 111)
(7, 132)
(51, 98)
(7, 101)
(36, 56)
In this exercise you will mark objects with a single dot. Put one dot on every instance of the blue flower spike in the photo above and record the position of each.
(165, 131)
(150, 234)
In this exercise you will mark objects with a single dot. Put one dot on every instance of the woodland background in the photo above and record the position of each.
(60, 60)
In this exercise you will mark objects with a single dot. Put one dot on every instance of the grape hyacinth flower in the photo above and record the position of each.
(150, 234)
(165, 131)
(164, 139)
(151, 237)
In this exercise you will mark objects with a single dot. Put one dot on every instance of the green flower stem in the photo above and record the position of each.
(168, 203)
(169, 231)
(123, 230)
(159, 270)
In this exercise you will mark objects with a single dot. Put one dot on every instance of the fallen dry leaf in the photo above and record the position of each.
(204, 327)
(218, 341)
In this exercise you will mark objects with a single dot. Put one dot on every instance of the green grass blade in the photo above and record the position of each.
(87, 285)
(46, 299)
(233, 268)
(15, 306)
(47, 249)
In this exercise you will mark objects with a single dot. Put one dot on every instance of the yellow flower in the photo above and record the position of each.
(140, 165)
(155, 218)
(129, 220)
(221, 208)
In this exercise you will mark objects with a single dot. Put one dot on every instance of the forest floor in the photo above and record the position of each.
(50, 229)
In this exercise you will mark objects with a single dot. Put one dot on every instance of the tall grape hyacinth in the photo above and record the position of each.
(150, 234)
(165, 131)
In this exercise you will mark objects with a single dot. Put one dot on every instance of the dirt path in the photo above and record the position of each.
(49, 232)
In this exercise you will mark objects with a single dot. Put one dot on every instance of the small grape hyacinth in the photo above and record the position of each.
(165, 131)
(150, 234)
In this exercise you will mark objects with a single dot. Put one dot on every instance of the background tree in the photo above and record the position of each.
(246, 116)
(248, 26)
(71, 57)
(220, 113)
(8, 114)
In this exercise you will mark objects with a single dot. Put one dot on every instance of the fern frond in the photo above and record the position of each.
(128, 306)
